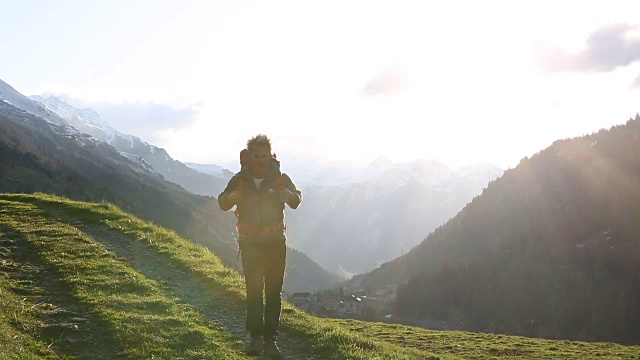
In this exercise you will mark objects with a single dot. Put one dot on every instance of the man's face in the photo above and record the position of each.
(260, 160)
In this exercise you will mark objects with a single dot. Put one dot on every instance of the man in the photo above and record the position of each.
(260, 191)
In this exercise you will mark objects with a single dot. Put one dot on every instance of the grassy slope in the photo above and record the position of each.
(65, 293)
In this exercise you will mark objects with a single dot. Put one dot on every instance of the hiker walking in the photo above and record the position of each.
(259, 192)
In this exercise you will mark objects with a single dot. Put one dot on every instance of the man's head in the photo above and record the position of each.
(260, 155)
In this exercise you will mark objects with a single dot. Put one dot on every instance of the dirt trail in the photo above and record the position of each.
(191, 292)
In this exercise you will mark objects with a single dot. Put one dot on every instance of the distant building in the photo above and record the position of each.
(305, 301)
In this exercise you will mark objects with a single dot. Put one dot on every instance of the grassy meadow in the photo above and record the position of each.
(84, 280)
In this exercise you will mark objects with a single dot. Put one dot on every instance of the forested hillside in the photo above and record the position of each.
(551, 249)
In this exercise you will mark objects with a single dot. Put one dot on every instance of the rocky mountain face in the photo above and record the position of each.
(84, 120)
(10, 96)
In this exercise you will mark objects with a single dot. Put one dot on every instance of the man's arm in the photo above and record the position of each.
(229, 196)
(291, 195)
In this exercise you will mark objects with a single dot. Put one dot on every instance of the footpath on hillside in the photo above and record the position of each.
(188, 291)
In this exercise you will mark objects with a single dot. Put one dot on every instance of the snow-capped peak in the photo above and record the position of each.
(13, 97)
(85, 120)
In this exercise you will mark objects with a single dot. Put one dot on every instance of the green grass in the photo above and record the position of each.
(137, 320)
(489, 346)
(17, 336)
(132, 316)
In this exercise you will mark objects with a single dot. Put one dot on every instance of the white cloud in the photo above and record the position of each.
(607, 48)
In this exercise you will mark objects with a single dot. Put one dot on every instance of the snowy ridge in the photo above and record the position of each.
(210, 169)
(13, 97)
(139, 161)
(85, 120)
(383, 176)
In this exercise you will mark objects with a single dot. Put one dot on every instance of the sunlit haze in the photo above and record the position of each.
(456, 81)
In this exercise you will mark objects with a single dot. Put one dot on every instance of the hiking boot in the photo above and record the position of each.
(271, 349)
(255, 347)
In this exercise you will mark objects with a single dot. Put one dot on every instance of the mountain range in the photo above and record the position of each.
(46, 154)
(90, 122)
(548, 249)
(380, 219)
(375, 213)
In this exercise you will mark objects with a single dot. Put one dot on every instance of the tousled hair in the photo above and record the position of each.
(259, 141)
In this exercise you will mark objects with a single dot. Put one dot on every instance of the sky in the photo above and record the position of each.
(456, 81)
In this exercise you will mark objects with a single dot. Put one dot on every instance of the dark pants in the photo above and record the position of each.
(263, 265)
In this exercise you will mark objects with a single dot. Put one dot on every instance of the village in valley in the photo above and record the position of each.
(346, 303)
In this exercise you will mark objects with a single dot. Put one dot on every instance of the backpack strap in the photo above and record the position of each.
(244, 158)
(236, 211)
(240, 191)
